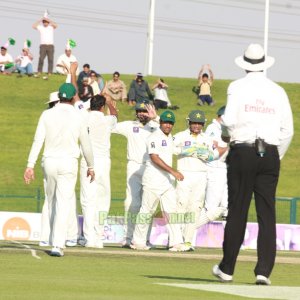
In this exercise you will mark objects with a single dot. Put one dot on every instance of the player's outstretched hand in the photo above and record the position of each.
(151, 111)
(28, 175)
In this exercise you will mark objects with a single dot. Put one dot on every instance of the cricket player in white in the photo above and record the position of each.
(216, 198)
(72, 231)
(191, 191)
(60, 128)
(95, 197)
(158, 187)
(136, 133)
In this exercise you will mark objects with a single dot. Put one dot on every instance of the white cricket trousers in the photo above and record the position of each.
(72, 232)
(190, 200)
(216, 190)
(61, 176)
(95, 198)
(133, 201)
(150, 201)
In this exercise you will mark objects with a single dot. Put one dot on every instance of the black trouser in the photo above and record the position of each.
(160, 104)
(247, 174)
(46, 50)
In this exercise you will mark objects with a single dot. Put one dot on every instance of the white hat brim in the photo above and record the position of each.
(269, 61)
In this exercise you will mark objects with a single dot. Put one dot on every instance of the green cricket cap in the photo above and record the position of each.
(221, 111)
(67, 90)
(196, 116)
(167, 116)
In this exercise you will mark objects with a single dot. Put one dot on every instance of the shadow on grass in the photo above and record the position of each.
(180, 278)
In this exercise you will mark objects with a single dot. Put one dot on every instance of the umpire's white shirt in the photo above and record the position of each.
(61, 127)
(258, 107)
(136, 134)
(154, 177)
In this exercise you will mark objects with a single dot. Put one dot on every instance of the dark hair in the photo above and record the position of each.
(205, 75)
(63, 99)
(117, 73)
(97, 102)
(86, 66)
(3, 48)
(94, 73)
(161, 80)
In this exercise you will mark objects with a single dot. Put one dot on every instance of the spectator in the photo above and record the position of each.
(93, 82)
(6, 60)
(46, 30)
(205, 83)
(84, 73)
(85, 91)
(161, 99)
(24, 61)
(64, 61)
(139, 90)
(116, 89)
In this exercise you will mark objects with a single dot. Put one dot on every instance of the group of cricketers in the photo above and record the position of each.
(188, 199)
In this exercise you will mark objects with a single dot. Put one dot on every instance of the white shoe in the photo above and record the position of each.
(190, 246)
(71, 243)
(220, 275)
(262, 280)
(44, 244)
(179, 248)
(45, 77)
(56, 251)
(139, 247)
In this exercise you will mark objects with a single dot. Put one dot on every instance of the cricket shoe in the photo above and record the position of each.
(180, 248)
(190, 246)
(139, 247)
(262, 280)
(71, 243)
(221, 275)
(56, 251)
(44, 244)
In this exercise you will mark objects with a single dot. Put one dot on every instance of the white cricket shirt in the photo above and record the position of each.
(136, 134)
(61, 127)
(258, 107)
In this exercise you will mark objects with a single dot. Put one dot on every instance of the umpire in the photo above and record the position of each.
(258, 120)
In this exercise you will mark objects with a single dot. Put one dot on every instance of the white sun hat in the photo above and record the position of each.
(53, 97)
(254, 59)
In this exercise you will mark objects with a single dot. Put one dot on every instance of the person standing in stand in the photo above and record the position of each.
(46, 30)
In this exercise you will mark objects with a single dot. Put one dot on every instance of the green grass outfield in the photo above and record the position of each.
(115, 273)
(22, 101)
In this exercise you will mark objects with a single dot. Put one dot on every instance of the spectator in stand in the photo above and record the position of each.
(116, 90)
(64, 61)
(161, 99)
(24, 61)
(46, 30)
(6, 60)
(84, 73)
(85, 91)
(139, 90)
(93, 82)
(205, 83)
